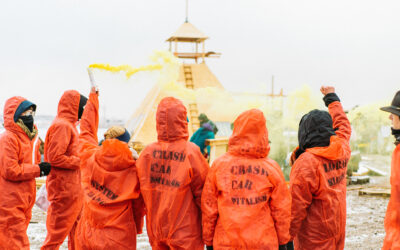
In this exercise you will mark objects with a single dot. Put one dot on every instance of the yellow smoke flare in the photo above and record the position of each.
(129, 70)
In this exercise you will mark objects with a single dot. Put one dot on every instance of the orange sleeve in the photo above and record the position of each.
(303, 183)
(392, 218)
(58, 141)
(209, 207)
(340, 121)
(280, 205)
(138, 213)
(11, 170)
(199, 173)
(88, 140)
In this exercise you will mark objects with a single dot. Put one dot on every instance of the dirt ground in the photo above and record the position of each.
(364, 226)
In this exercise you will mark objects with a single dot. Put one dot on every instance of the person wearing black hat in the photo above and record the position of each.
(19, 166)
(392, 218)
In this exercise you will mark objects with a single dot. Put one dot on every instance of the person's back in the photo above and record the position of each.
(111, 215)
(246, 202)
(172, 172)
(318, 178)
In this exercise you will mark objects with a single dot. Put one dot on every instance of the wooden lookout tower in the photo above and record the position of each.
(193, 74)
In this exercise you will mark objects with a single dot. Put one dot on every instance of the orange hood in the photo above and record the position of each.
(9, 110)
(114, 156)
(171, 119)
(68, 106)
(337, 149)
(250, 135)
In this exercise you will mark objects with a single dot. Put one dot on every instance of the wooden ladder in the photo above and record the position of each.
(193, 110)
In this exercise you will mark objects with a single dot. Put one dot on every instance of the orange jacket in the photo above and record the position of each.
(64, 181)
(318, 188)
(172, 172)
(246, 202)
(19, 158)
(110, 185)
(392, 218)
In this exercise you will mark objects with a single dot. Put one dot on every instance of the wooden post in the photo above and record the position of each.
(170, 46)
(272, 86)
(197, 51)
(204, 51)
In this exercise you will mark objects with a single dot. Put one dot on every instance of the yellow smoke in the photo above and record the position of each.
(129, 70)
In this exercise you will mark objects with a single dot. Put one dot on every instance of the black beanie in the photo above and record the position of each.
(82, 104)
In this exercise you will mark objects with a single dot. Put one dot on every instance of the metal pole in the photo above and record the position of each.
(272, 86)
(187, 11)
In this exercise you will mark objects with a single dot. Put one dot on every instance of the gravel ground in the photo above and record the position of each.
(365, 215)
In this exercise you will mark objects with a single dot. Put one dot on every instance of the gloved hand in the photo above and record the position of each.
(282, 247)
(209, 247)
(290, 246)
(45, 168)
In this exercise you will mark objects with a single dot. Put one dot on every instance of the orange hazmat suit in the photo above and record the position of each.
(19, 158)
(64, 181)
(246, 202)
(172, 173)
(392, 218)
(111, 189)
(318, 188)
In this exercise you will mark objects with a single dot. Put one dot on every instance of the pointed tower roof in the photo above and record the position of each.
(187, 33)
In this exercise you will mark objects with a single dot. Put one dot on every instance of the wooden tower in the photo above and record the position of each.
(192, 75)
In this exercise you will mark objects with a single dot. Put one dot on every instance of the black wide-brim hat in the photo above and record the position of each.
(395, 107)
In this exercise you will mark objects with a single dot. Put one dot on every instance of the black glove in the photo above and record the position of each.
(282, 247)
(45, 168)
(290, 246)
(331, 97)
(209, 247)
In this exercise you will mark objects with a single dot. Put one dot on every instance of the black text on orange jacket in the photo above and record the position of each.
(318, 188)
(172, 172)
(112, 211)
(246, 202)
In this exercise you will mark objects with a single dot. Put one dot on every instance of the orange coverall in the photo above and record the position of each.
(112, 211)
(172, 172)
(318, 188)
(392, 218)
(19, 158)
(64, 181)
(246, 202)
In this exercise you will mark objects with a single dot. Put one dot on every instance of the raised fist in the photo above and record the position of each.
(327, 90)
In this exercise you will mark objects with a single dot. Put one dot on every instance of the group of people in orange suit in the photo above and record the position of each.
(100, 192)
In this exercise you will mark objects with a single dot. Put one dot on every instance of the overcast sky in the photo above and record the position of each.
(46, 45)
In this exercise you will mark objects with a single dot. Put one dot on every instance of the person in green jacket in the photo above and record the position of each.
(206, 131)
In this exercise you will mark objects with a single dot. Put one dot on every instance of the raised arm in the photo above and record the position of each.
(11, 170)
(90, 121)
(340, 122)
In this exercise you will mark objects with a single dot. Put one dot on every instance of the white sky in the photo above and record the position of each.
(46, 45)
